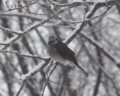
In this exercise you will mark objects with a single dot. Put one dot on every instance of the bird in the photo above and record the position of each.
(61, 53)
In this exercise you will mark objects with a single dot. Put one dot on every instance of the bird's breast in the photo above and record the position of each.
(55, 55)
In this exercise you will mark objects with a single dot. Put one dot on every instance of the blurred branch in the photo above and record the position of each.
(100, 61)
(82, 3)
(41, 38)
(96, 6)
(96, 44)
(40, 24)
(101, 68)
(37, 85)
(18, 14)
(117, 2)
(116, 89)
(3, 44)
(98, 81)
(7, 77)
(22, 54)
(32, 27)
(10, 31)
(11, 9)
(96, 62)
(85, 20)
(47, 79)
(79, 27)
(31, 73)
(20, 89)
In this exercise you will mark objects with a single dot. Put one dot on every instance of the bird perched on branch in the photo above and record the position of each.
(60, 52)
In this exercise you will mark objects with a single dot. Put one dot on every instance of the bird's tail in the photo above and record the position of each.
(83, 71)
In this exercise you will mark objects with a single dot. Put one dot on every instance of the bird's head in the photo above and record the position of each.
(52, 40)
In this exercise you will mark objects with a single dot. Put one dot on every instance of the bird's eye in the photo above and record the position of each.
(53, 42)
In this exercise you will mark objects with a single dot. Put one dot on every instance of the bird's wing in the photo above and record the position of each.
(67, 53)
(64, 51)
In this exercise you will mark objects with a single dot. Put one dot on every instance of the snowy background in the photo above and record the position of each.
(91, 28)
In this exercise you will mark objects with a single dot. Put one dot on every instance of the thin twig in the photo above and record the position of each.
(47, 79)
(11, 9)
(29, 29)
(20, 89)
(22, 54)
(10, 31)
(95, 43)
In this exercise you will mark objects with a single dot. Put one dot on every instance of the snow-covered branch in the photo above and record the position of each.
(22, 54)
(10, 31)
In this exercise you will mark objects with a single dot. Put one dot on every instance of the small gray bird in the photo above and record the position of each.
(60, 52)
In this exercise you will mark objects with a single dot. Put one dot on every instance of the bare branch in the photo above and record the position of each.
(96, 44)
(9, 14)
(22, 54)
(10, 31)
(47, 79)
(33, 27)
(20, 89)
